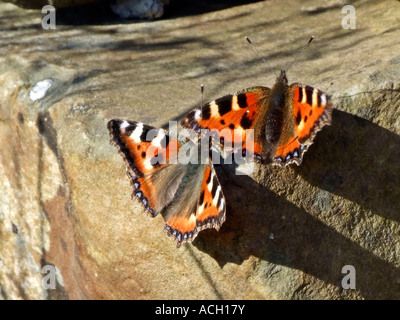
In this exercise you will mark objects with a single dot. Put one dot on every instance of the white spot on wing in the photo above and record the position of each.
(210, 185)
(235, 105)
(323, 99)
(221, 206)
(301, 125)
(214, 109)
(157, 140)
(215, 200)
(200, 209)
(315, 97)
(124, 125)
(147, 164)
(304, 100)
(197, 114)
(135, 135)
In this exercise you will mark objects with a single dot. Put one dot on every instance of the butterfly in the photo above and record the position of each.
(285, 120)
(188, 196)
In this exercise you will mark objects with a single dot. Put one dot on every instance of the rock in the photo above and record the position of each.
(148, 9)
(68, 226)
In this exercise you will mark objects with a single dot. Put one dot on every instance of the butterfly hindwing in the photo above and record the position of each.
(201, 206)
(310, 109)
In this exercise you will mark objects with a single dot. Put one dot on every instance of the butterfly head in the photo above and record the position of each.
(282, 77)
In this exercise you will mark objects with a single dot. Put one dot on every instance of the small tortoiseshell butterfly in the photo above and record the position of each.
(188, 196)
(285, 120)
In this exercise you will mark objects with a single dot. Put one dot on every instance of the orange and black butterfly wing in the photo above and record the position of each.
(188, 196)
(229, 117)
(148, 152)
(308, 110)
(200, 205)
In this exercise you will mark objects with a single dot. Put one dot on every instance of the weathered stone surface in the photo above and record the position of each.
(148, 9)
(65, 199)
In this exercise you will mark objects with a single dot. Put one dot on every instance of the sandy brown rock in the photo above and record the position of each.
(65, 199)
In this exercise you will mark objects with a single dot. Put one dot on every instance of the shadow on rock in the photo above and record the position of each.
(83, 15)
(354, 159)
(360, 161)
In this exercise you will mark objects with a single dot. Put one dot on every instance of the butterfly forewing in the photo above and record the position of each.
(231, 113)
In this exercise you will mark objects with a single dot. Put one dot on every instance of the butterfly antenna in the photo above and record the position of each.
(201, 101)
(328, 87)
(202, 96)
(302, 49)
(259, 54)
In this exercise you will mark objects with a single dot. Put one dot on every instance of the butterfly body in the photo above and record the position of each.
(285, 120)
